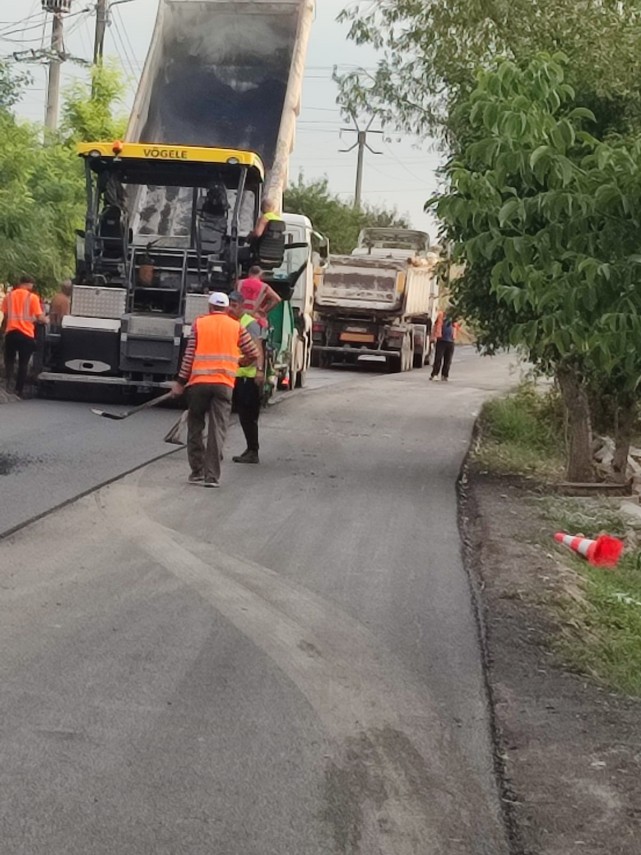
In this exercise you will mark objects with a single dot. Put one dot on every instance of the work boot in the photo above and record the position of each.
(247, 457)
(196, 477)
(239, 457)
(211, 482)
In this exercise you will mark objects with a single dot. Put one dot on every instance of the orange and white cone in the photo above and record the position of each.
(605, 551)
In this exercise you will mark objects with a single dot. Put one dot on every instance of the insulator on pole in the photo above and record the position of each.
(57, 6)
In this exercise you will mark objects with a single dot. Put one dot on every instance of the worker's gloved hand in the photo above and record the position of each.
(176, 389)
(259, 379)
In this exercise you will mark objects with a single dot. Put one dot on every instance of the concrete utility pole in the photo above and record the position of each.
(361, 142)
(102, 19)
(58, 8)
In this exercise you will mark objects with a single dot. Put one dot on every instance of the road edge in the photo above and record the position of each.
(467, 510)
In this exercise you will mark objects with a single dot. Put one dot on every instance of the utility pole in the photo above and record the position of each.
(58, 8)
(361, 142)
(102, 19)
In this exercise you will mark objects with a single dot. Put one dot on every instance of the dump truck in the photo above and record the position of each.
(378, 303)
(170, 209)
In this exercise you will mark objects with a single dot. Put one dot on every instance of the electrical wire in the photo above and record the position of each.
(122, 50)
(130, 46)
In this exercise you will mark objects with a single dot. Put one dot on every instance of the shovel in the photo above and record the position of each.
(153, 403)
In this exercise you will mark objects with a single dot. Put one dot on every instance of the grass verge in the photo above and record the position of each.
(600, 616)
(598, 611)
(522, 434)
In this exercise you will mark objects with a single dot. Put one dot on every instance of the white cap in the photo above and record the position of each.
(217, 298)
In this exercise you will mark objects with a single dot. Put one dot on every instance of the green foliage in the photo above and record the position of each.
(546, 218)
(522, 433)
(88, 110)
(12, 85)
(430, 52)
(337, 220)
(42, 195)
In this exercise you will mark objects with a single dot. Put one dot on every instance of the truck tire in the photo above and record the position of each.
(395, 364)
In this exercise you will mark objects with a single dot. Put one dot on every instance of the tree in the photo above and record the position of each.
(546, 218)
(430, 52)
(336, 219)
(42, 193)
(12, 85)
(88, 109)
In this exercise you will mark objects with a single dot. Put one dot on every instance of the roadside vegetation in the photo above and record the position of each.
(523, 434)
(598, 611)
(600, 616)
(42, 193)
(334, 217)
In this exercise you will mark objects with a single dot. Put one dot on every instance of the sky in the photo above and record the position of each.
(403, 176)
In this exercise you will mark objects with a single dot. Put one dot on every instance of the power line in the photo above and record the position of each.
(131, 50)
(125, 53)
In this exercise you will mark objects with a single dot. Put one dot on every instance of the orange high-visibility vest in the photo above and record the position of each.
(21, 308)
(217, 354)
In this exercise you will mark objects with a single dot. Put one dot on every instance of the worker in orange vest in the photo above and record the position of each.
(208, 371)
(443, 336)
(22, 310)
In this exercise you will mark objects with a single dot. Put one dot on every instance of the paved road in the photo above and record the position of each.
(286, 666)
(53, 451)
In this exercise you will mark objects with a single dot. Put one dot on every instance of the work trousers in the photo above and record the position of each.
(20, 345)
(213, 400)
(247, 404)
(443, 358)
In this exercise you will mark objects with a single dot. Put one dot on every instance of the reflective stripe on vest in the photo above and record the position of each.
(248, 371)
(18, 311)
(217, 354)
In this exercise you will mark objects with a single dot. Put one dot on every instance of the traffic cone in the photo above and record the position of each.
(605, 551)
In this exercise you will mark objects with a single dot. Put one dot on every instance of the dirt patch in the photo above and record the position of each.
(569, 751)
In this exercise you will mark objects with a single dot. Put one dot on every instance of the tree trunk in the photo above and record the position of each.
(626, 418)
(580, 466)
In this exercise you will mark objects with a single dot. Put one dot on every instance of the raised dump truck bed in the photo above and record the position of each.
(226, 73)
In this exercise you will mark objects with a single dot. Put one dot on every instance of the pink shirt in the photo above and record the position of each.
(251, 290)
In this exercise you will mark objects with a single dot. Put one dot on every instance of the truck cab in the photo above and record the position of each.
(305, 257)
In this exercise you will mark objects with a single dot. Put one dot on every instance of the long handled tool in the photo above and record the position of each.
(153, 403)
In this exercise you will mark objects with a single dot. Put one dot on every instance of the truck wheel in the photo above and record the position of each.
(395, 364)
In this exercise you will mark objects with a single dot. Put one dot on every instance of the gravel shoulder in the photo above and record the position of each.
(568, 750)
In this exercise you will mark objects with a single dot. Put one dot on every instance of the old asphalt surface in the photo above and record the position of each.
(286, 666)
